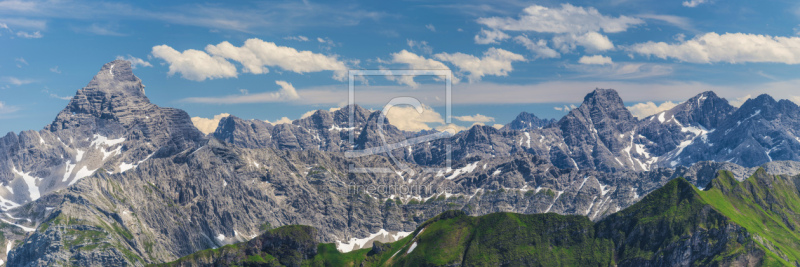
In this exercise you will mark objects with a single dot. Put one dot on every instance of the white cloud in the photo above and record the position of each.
(60, 97)
(680, 22)
(642, 110)
(452, 128)
(207, 125)
(55, 70)
(23, 23)
(566, 19)
(498, 126)
(622, 71)
(420, 45)
(430, 27)
(298, 38)
(680, 37)
(283, 120)
(17, 81)
(595, 60)
(565, 108)
(33, 35)
(539, 48)
(135, 61)
(495, 61)
(407, 118)
(572, 26)
(738, 102)
(490, 36)
(475, 118)
(106, 30)
(21, 62)
(326, 42)
(694, 3)
(311, 112)
(415, 62)
(287, 92)
(194, 65)
(254, 17)
(591, 41)
(560, 91)
(256, 55)
(5, 109)
(729, 47)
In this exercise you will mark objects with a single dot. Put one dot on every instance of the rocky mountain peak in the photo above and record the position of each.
(113, 94)
(605, 103)
(116, 77)
(705, 109)
(528, 121)
(763, 106)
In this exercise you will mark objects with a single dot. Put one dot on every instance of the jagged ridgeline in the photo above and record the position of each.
(117, 180)
(731, 223)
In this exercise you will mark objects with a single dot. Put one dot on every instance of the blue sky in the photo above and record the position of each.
(270, 60)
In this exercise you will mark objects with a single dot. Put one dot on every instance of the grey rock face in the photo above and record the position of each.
(760, 131)
(323, 130)
(239, 132)
(528, 121)
(109, 124)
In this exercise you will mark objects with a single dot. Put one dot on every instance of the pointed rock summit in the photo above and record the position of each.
(113, 94)
(114, 105)
(528, 121)
(706, 109)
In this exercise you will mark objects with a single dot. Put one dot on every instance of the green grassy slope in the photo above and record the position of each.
(767, 206)
(674, 225)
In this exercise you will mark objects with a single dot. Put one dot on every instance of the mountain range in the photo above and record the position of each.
(117, 180)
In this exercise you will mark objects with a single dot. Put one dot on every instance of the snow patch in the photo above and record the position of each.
(413, 246)
(83, 172)
(575, 163)
(589, 210)
(554, 201)
(79, 155)
(700, 100)
(102, 140)
(6, 204)
(337, 128)
(68, 171)
(9, 246)
(358, 243)
(24, 228)
(30, 181)
(583, 183)
(603, 188)
(127, 166)
(466, 169)
(529, 139)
